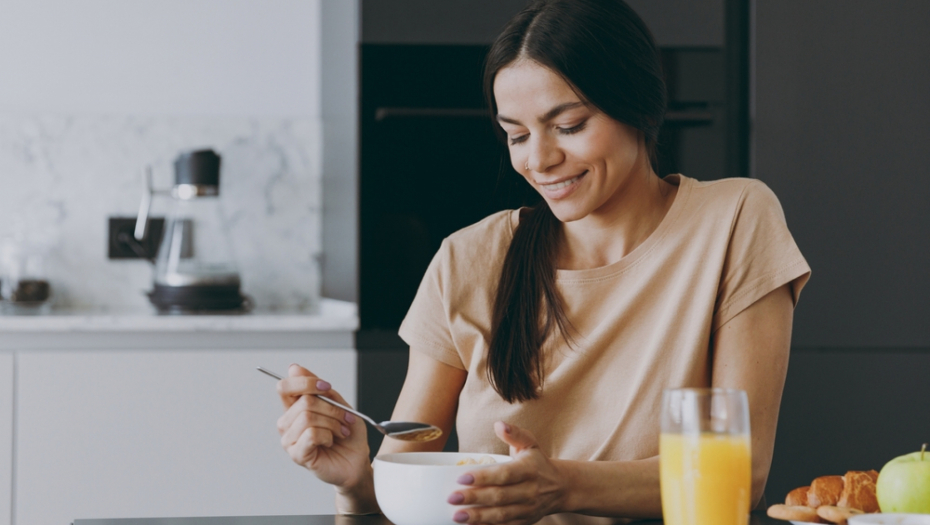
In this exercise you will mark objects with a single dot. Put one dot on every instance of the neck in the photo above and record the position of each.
(620, 225)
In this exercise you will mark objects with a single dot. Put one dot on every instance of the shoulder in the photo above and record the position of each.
(735, 190)
(491, 233)
(736, 199)
(480, 247)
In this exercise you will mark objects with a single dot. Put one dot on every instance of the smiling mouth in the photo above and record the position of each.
(564, 184)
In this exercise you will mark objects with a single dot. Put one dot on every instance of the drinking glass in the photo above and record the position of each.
(705, 462)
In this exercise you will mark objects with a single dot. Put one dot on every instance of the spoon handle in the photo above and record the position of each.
(347, 409)
(328, 400)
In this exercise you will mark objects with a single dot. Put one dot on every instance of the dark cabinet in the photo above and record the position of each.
(430, 165)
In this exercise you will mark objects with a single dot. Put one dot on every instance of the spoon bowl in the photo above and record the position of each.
(402, 430)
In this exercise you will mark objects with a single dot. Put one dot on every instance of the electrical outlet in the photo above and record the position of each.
(123, 245)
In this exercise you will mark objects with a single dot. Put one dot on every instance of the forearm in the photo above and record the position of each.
(360, 498)
(611, 488)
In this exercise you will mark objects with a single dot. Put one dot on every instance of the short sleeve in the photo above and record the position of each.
(426, 327)
(761, 255)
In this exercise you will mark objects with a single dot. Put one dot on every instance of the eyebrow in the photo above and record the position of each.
(551, 114)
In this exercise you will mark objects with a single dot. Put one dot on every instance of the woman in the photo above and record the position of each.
(552, 331)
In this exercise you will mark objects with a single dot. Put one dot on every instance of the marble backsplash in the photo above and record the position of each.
(63, 176)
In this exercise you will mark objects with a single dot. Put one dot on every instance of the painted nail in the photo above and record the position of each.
(456, 498)
(460, 517)
(345, 431)
(349, 418)
(323, 385)
(466, 479)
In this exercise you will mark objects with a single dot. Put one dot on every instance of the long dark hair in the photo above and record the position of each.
(605, 52)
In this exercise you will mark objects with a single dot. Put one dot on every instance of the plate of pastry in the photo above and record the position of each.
(830, 499)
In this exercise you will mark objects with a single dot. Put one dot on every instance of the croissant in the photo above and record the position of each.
(830, 498)
(797, 497)
(825, 490)
(859, 491)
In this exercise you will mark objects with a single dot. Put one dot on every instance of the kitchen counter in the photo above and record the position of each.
(331, 315)
(332, 325)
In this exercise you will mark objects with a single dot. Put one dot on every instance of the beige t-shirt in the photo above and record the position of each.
(644, 323)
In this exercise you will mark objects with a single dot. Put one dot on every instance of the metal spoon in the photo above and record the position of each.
(402, 430)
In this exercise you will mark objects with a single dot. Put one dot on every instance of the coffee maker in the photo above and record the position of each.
(194, 269)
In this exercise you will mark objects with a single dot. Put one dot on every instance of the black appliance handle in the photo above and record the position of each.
(385, 113)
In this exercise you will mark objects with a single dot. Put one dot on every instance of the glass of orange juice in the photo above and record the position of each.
(704, 457)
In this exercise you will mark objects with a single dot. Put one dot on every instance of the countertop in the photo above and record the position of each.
(332, 315)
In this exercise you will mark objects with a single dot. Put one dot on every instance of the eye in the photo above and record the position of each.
(518, 140)
(574, 129)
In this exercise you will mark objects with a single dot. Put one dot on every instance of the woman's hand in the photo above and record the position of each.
(327, 440)
(521, 491)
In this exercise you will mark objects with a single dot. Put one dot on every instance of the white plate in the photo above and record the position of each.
(890, 519)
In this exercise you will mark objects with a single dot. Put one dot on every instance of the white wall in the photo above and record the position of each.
(92, 91)
(187, 57)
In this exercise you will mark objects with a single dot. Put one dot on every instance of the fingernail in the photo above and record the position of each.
(323, 385)
(506, 428)
(466, 479)
(349, 418)
(345, 431)
(292, 364)
(456, 499)
(460, 517)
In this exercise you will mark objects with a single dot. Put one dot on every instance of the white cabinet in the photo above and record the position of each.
(6, 436)
(149, 433)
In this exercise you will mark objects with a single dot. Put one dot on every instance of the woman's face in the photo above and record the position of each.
(575, 156)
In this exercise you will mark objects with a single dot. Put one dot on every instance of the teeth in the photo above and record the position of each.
(560, 185)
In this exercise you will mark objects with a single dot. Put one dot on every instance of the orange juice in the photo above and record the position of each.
(705, 478)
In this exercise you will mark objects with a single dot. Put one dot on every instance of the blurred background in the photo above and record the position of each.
(345, 129)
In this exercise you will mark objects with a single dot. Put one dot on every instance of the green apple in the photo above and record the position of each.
(904, 483)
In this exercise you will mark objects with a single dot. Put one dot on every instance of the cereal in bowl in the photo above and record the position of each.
(483, 460)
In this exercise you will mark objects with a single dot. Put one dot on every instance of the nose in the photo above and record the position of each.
(543, 155)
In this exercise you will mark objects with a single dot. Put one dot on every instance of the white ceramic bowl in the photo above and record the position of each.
(890, 519)
(412, 487)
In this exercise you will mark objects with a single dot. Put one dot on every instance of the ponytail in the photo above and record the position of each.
(526, 289)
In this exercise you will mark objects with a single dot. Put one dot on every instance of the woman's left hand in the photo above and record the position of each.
(520, 491)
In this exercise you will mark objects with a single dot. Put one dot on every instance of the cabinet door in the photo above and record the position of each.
(161, 433)
(6, 436)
